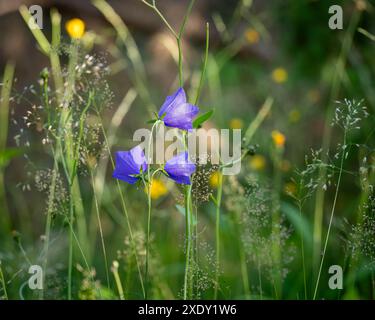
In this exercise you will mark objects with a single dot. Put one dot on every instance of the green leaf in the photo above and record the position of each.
(151, 121)
(7, 155)
(300, 222)
(202, 118)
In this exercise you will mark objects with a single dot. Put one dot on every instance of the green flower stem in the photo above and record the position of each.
(188, 276)
(217, 231)
(148, 238)
(127, 219)
(204, 67)
(148, 188)
(178, 36)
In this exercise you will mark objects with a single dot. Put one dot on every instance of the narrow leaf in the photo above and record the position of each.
(202, 118)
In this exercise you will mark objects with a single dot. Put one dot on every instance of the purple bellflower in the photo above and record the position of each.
(176, 112)
(129, 165)
(180, 168)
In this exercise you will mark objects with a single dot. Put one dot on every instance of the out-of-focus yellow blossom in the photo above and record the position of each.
(278, 138)
(279, 75)
(158, 189)
(294, 116)
(361, 5)
(257, 162)
(214, 179)
(235, 123)
(252, 36)
(290, 188)
(75, 28)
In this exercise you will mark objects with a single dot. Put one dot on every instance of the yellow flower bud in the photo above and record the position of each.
(257, 162)
(158, 189)
(75, 28)
(278, 139)
(279, 75)
(235, 123)
(214, 179)
(252, 36)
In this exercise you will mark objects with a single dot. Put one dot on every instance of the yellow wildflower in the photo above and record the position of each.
(235, 123)
(278, 138)
(75, 28)
(279, 75)
(158, 189)
(214, 179)
(257, 162)
(252, 36)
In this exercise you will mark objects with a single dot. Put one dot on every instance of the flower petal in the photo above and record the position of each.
(181, 179)
(139, 158)
(182, 116)
(180, 168)
(129, 163)
(126, 178)
(173, 101)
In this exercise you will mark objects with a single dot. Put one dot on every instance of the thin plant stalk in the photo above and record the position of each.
(260, 281)
(3, 283)
(116, 275)
(276, 220)
(100, 229)
(188, 277)
(125, 210)
(5, 221)
(51, 197)
(139, 73)
(148, 237)
(54, 57)
(148, 186)
(335, 88)
(244, 271)
(331, 217)
(84, 258)
(249, 133)
(204, 67)
(100, 172)
(178, 36)
(70, 159)
(217, 231)
(303, 255)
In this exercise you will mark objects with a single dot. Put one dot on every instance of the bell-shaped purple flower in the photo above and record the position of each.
(180, 168)
(129, 164)
(176, 112)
